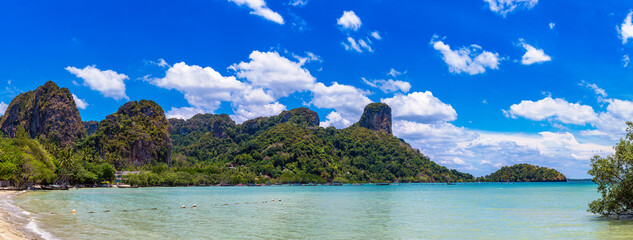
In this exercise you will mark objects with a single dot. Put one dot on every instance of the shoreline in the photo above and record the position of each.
(14, 221)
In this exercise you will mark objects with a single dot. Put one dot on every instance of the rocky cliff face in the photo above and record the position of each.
(48, 112)
(217, 125)
(135, 135)
(377, 117)
(302, 116)
(91, 127)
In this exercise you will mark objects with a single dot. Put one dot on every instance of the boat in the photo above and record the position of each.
(54, 187)
(310, 184)
(450, 183)
(337, 184)
(382, 184)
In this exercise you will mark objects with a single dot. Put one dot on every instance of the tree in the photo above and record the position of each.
(614, 176)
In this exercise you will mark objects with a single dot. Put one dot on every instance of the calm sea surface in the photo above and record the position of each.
(413, 211)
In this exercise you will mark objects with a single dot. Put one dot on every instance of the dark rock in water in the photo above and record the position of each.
(48, 112)
(134, 135)
(91, 127)
(377, 117)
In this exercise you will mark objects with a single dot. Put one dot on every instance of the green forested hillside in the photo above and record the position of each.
(525, 173)
(293, 148)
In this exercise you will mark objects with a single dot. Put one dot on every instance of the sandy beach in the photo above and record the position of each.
(8, 228)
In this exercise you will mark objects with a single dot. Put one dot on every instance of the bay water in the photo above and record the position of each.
(407, 211)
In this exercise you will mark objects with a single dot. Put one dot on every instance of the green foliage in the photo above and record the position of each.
(136, 134)
(291, 148)
(614, 176)
(25, 160)
(525, 173)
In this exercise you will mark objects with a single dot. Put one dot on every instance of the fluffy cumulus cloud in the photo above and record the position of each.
(259, 8)
(389, 85)
(349, 21)
(81, 103)
(108, 82)
(203, 88)
(626, 28)
(348, 102)
(557, 109)
(3, 108)
(481, 153)
(612, 122)
(472, 60)
(246, 112)
(272, 71)
(183, 112)
(533, 55)
(421, 107)
(503, 7)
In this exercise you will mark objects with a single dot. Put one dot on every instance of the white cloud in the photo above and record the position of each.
(552, 25)
(599, 91)
(272, 71)
(351, 45)
(481, 153)
(108, 82)
(625, 60)
(3, 108)
(334, 119)
(395, 73)
(421, 107)
(349, 21)
(81, 103)
(310, 57)
(364, 44)
(183, 112)
(557, 109)
(246, 112)
(376, 35)
(626, 29)
(204, 88)
(259, 8)
(389, 85)
(298, 3)
(472, 60)
(503, 7)
(533, 55)
(348, 101)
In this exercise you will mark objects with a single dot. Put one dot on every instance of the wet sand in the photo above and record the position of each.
(8, 226)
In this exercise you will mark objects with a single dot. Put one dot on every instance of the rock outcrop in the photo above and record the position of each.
(48, 112)
(377, 117)
(302, 116)
(137, 134)
(217, 125)
(91, 127)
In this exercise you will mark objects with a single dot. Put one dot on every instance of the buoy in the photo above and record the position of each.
(280, 199)
(183, 206)
(74, 211)
(194, 205)
(272, 200)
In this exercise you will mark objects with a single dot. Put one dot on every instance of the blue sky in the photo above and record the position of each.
(475, 85)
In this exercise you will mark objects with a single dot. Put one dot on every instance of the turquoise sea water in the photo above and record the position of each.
(412, 211)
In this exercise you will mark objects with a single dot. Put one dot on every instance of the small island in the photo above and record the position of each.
(524, 173)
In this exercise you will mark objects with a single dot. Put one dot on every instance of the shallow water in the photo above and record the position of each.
(413, 211)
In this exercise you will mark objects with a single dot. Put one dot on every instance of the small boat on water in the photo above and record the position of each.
(450, 183)
(54, 187)
(310, 184)
(382, 184)
(336, 184)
